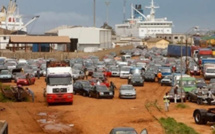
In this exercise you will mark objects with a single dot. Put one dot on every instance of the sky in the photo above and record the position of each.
(185, 14)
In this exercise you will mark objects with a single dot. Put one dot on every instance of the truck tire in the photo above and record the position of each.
(199, 116)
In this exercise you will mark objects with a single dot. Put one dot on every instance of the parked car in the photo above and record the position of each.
(22, 80)
(82, 87)
(137, 80)
(149, 76)
(100, 91)
(6, 75)
(181, 94)
(200, 97)
(126, 130)
(78, 74)
(200, 82)
(114, 71)
(194, 72)
(167, 80)
(98, 75)
(127, 91)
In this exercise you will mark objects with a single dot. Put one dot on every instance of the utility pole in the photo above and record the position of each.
(124, 10)
(94, 13)
(107, 10)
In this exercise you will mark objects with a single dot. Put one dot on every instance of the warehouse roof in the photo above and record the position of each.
(40, 39)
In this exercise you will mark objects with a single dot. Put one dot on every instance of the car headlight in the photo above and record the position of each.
(111, 93)
(101, 93)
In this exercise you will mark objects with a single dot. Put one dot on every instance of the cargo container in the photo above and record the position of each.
(174, 50)
(204, 53)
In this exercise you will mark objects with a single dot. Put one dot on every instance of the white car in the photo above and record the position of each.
(125, 71)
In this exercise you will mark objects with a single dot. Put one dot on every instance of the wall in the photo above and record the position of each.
(59, 55)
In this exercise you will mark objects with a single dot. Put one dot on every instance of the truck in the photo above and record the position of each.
(204, 53)
(3, 127)
(59, 82)
(174, 50)
(209, 72)
(202, 116)
(188, 83)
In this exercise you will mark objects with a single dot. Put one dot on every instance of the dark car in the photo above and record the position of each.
(82, 87)
(100, 91)
(126, 130)
(137, 80)
(149, 76)
(98, 75)
(200, 97)
(200, 82)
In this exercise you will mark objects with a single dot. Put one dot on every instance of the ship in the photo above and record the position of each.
(143, 26)
(11, 20)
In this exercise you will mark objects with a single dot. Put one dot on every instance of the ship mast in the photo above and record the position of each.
(152, 12)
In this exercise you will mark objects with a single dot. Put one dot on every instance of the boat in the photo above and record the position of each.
(143, 26)
(10, 19)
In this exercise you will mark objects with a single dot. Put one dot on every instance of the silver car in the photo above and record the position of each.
(127, 91)
(114, 71)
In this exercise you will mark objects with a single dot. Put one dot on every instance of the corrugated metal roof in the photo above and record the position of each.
(40, 39)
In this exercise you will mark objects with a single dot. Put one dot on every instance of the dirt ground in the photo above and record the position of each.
(96, 116)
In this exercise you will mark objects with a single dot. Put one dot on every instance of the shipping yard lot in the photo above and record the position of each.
(98, 116)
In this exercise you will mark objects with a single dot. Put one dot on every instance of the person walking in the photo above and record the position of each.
(159, 76)
(166, 101)
(38, 73)
(175, 93)
(129, 79)
(86, 74)
(210, 96)
(112, 87)
(31, 93)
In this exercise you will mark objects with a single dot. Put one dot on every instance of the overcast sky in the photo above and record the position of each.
(53, 13)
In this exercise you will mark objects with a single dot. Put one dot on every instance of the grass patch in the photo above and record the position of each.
(181, 105)
(171, 126)
(4, 99)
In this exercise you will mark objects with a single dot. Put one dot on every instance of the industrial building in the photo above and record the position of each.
(88, 38)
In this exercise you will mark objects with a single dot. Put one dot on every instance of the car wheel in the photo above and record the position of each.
(199, 118)
(84, 94)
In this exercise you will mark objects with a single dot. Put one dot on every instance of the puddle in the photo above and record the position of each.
(51, 124)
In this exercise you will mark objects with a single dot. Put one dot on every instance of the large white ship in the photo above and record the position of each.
(142, 26)
(10, 19)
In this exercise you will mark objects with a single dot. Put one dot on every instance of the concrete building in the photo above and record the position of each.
(156, 42)
(83, 38)
(176, 38)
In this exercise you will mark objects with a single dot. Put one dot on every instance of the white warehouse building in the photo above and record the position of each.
(86, 38)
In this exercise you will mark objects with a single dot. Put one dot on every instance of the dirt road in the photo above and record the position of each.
(96, 116)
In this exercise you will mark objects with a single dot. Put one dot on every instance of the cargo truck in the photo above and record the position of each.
(59, 82)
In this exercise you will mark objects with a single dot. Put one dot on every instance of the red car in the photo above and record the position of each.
(106, 72)
(23, 81)
(93, 82)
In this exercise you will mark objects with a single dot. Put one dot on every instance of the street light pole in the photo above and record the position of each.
(94, 13)
(107, 10)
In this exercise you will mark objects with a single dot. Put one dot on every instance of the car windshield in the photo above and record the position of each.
(166, 70)
(127, 87)
(114, 69)
(188, 83)
(86, 84)
(210, 70)
(125, 69)
(101, 87)
(59, 80)
(4, 72)
(137, 78)
(125, 132)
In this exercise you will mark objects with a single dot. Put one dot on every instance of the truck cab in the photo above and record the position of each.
(59, 84)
